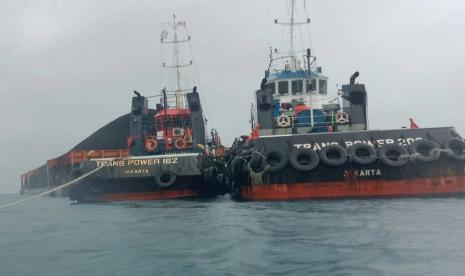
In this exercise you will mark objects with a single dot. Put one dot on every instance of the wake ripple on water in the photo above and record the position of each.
(362, 237)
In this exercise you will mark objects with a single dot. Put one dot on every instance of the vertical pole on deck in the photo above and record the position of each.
(311, 116)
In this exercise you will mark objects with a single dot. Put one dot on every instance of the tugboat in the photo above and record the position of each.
(159, 153)
(168, 152)
(306, 144)
(163, 163)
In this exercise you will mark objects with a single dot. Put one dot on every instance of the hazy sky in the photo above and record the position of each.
(69, 67)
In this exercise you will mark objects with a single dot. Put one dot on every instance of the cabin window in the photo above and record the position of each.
(271, 86)
(177, 122)
(297, 86)
(310, 85)
(187, 122)
(166, 123)
(322, 86)
(283, 87)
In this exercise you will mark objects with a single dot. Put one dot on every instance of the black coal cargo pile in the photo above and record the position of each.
(112, 136)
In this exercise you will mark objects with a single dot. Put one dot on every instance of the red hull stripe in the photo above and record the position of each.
(147, 195)
(361, 188)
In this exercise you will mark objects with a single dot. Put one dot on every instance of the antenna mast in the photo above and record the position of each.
(291, 24)
(291, 27)
(176, 52)
(179, 91)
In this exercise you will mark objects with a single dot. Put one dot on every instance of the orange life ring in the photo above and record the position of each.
(150, 144)
(342, 117)
(180, 143)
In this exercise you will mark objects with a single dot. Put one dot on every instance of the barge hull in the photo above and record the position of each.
(361, 188)
(176, 194)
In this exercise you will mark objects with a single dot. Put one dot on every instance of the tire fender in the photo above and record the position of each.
(418, 149)
(455, 148)
(401, 152)
(160, 179)
(294, 159)
(358, 157)
(325, 154)
(277, 160)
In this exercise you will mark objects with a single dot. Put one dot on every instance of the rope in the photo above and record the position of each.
(257, 178)
(52, 190)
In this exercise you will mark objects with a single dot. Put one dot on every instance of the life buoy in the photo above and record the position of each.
(425, 150)
(455, 148)
(304, 159)
(180, 143)
(394, 155)
(342, 117)
(283, 120)
(333, 155)
(150, 144)
(165, 178)
(362, 154)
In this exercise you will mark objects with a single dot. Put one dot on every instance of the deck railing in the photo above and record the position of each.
(313, 120)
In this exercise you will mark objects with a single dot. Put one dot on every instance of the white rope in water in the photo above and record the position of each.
(52, 190)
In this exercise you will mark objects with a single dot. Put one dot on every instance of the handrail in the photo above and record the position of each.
(312, 121)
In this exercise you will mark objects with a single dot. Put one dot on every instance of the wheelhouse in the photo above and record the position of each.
(174, 128)
(290, 83)
(299, 101)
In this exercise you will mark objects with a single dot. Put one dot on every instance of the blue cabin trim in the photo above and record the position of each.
(300, 74)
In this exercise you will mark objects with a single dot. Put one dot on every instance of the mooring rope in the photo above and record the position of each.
(52, 190)
(257, 177)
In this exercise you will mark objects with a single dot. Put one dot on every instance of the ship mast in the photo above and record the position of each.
(176, 57)
(291, 25)
(176, 53)
(291, 29)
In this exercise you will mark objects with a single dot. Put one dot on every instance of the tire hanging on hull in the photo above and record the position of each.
(394, 155)
(425, 150)
(363, 154)
(162, 181)
(333, 155)
(274, 160)
(304, 160)
(455, 148)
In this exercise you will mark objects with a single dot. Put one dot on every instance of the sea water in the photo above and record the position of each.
(411, 236)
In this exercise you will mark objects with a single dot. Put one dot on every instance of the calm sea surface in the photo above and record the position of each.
(50, 236)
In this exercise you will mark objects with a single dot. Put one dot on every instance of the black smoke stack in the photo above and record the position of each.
(355, 104)
(353, 77)
(197, 119)
(137, 126)
(265, 108)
